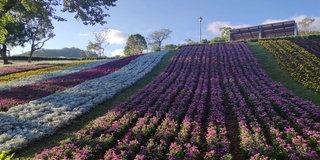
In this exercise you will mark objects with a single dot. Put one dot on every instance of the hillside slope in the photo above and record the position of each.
(211, 101)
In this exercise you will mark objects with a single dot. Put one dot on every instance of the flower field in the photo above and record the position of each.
(13, 76)
(304, 67)
(210, 102)
(9, 70)
(23, 94)
(24, 78)
(312, 46)
(24, 123)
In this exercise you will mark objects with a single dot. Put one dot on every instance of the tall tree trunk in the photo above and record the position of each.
(4, 54)
(31, 53)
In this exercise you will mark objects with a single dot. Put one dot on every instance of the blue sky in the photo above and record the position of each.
(181, 17)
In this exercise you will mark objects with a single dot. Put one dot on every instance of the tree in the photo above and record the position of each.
(204, 41)
(98, 44)
(88, 11)
(156, 38)
(304, 25)
(169, 47)
(225, 33)
(11, 23)
(136, 43)
(39, 28)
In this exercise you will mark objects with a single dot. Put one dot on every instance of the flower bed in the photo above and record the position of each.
(302, 66)
(311, 45)
(25, 123)
(13, 69)
(23, 94)
(206, 98)
(14, 76)
(22, 81)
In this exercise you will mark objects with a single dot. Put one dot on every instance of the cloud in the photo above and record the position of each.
(83, 34)
(214, 27)
(117, 52)
(116, 37)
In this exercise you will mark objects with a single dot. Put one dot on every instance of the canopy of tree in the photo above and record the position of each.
(19, 19)
(136, 43)
(155, 38)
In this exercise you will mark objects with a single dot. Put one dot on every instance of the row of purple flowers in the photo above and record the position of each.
(14, 69)
(24, 94)
(184, 114)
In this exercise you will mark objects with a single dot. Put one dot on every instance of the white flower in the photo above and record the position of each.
(25, 123)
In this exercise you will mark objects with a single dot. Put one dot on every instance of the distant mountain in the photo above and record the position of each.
(64, 52)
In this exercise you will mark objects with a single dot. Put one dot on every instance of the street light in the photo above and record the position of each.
(200, 20)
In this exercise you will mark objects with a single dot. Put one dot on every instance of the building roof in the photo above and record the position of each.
(284, 28)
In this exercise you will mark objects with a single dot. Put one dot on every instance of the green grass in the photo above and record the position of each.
(269, 64)
(100, 110)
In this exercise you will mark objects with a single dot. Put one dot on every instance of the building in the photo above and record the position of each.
(285, 28)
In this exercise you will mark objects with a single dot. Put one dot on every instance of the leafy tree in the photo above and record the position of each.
(11, 23)
(169, 46)
(98, 44)
(225, 33)
(39, 28)
(304, 25)
(88, 11)
(156, 38)
(204, 41)
(136, 43)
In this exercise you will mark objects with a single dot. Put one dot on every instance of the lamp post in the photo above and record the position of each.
(200, 20)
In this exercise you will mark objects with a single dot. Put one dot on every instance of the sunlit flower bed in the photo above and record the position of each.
(311, 45)
(25, 123)
(13, 69)
(22, 81)
(210, 102)
(23, 94)
(14, 76)
(302, 66)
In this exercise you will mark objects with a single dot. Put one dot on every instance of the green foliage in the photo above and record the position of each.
(225, 33)
(89, 11)
(4, 155)
(25, 20)
(217, 40)
(204, 41)
(136, 43)
(169, 46)
(309, 36)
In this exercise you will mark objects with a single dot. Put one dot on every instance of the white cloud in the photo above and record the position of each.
(117, 52)
(214, 27)
(83, 34)
(116, 37)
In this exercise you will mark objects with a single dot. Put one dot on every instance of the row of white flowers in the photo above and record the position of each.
(49, 75)
(25, 123)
